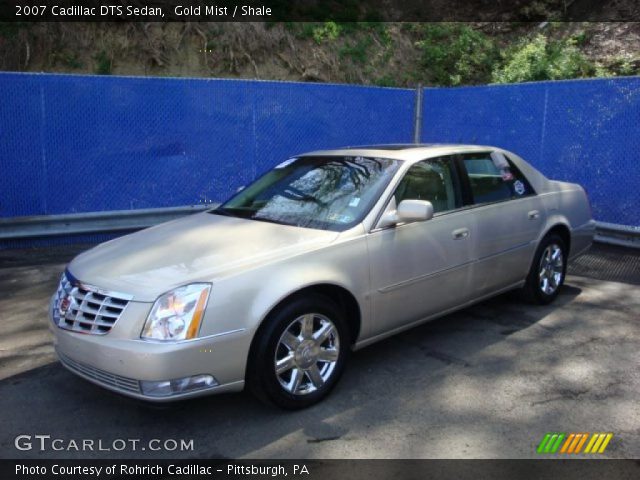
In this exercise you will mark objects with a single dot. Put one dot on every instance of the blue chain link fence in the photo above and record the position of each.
(84, 143)
(582, 131)
(71, 143)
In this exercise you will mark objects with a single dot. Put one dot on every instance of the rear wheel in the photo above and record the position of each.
(547, 271)
(300, 353)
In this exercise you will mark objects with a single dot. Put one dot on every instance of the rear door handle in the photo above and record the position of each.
(460, 233)
(533, 214)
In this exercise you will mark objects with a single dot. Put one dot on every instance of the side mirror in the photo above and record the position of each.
(414, 211)
(407, 212)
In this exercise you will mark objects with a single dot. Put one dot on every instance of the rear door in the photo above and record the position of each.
(508, 217)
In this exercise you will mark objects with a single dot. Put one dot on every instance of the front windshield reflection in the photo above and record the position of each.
(330, 193)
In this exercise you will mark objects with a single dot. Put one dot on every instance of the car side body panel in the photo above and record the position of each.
(567, 204)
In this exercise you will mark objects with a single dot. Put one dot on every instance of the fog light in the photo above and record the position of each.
(166, 388)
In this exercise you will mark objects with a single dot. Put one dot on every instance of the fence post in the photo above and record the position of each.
(417, 115)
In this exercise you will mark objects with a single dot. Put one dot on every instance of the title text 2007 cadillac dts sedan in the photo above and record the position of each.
(328, 252)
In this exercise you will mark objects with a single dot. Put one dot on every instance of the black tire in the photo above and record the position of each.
(262, 379)
(533, 290)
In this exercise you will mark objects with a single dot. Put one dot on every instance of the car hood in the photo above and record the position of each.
(200, 247)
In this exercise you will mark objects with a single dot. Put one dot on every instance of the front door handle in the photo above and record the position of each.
(460, 233)
(534, 214)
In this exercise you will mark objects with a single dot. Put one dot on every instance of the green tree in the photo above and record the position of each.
(455, 54)
(541, 59)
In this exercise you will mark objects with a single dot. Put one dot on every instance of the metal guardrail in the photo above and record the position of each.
(127, 220)
(614, 234)
(91, 222)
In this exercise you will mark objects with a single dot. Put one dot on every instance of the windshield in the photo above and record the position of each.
(328, 193)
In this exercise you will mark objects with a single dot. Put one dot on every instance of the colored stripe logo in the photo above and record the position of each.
(574, 443)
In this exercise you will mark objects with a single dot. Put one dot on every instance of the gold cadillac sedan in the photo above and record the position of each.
(328, 252)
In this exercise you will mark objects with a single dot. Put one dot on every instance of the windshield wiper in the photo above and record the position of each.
(223, 211)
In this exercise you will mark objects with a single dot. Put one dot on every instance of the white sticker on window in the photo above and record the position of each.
(354, 202)
(340, 218)
(286, 162)
(518, 186)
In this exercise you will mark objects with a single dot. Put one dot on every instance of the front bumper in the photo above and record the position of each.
(121, 364)
(131, 387)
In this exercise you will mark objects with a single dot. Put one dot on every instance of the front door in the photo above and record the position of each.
(422, 268)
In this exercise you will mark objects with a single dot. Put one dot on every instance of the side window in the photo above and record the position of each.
(431, 180)
(493, 178)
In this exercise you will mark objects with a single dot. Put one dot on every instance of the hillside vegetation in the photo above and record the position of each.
(386, 54)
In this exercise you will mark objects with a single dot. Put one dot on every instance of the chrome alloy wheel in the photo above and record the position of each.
(307, 354)
(551, 269)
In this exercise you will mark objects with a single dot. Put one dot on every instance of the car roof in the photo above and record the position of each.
(402, 151)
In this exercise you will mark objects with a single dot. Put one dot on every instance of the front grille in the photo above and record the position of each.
(86, 309)
(100, 376)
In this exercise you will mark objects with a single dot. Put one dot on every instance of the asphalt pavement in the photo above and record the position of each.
(485, 382)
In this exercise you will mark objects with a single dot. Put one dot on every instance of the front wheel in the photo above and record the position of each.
(547, 271)
(300, 353)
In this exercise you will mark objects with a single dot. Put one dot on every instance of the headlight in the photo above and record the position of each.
(177, 314)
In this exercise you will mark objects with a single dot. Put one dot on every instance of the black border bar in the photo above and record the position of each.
(318, 10)
(322, 469)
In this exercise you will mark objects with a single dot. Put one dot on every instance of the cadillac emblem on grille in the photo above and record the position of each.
(86, 309)
(65, 302)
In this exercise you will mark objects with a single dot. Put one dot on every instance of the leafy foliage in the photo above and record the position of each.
(356, 51)
(328, 31)
(353, 47)
(455, 54)
(11, 29)
(541, 59)
(103, 63)
(385, 81)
